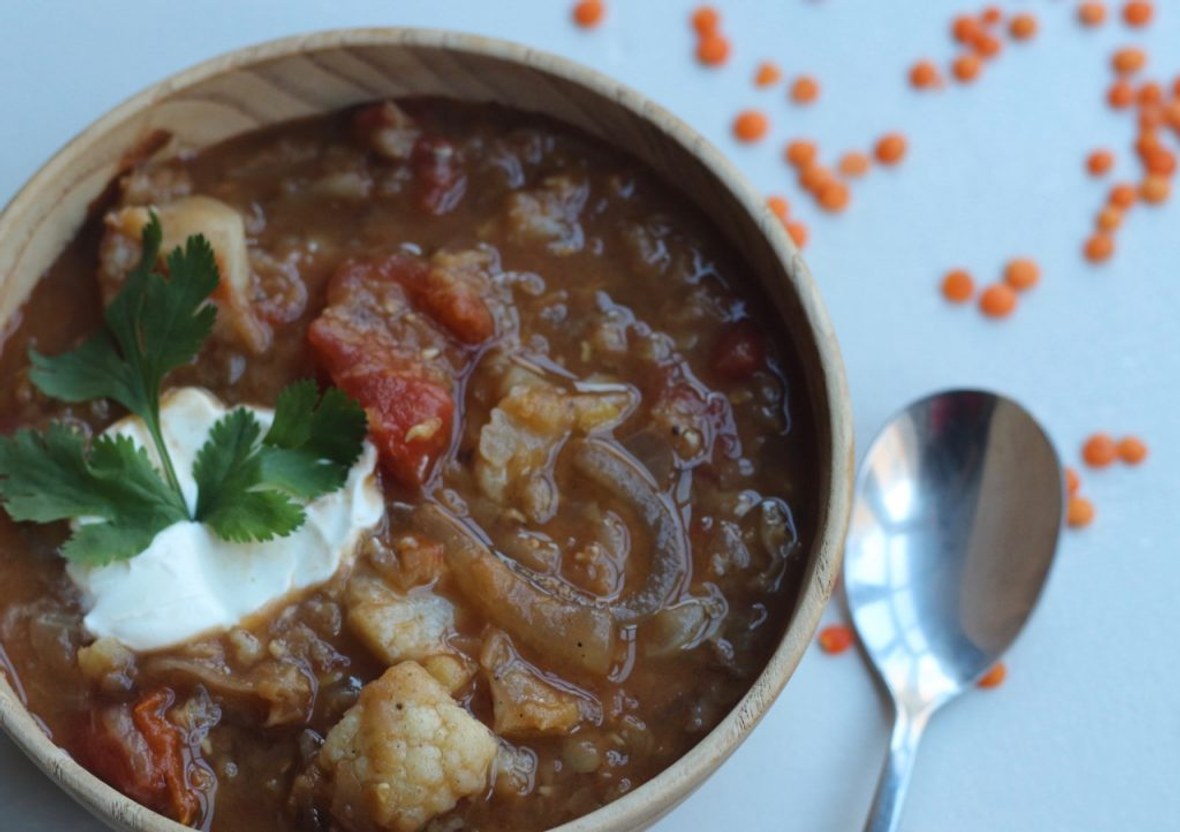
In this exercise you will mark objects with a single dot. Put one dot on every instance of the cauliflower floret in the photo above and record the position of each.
(403, 754)
(399, 627)
(525, 431)
(223, 228)
(550, 215)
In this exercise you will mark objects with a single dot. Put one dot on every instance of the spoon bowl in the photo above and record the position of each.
(955, 523)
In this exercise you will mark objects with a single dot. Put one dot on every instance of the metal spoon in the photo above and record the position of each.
(958, 508)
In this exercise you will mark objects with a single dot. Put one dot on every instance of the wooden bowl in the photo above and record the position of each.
(303, 76)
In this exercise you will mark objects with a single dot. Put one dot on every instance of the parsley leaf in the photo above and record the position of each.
(124, 503)
(154, 325)
(246, 481)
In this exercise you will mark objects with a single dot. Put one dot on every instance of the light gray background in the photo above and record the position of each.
(1085, 735)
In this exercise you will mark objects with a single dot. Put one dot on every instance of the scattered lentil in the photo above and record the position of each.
(854, 164)
(835, 639)
(750, 126)
(705, 20)
(890, 149)
(1099, 450)
(801, 153)
(1121, 95)
(1123, 195)
(966, 67)
(1109, 219)
(997, 301)
(1023, 27)
(957, 286)
(1155, 189)
(779, 206)
(589, 13)
(924, 75)
(1099, 248)
(1022, 274)
(1132, 450)
(1072, 481)
(1100, 162)
(1128, 60)
(1092, 13)
(1079, 512)
(713, 50)
(768, 74)
(1138, 13)
(805, 90)
(798, 232)
(833, 196)
(994, 677)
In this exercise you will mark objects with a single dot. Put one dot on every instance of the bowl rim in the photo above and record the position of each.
(656, 797)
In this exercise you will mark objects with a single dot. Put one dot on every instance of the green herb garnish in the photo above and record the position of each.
(247, 482)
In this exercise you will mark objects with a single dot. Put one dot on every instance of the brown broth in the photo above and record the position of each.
(647, 269)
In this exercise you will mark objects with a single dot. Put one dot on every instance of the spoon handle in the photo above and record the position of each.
(885, 815)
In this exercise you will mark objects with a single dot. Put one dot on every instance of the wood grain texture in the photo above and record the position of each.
(307, 75)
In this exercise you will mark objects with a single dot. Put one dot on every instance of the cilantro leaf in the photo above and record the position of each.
(45, 477)
(232, 496)
(245, 481)
(154, 325)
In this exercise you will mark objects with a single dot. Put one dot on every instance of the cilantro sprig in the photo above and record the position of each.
(248, 483)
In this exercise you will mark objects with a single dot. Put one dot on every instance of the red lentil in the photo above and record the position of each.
(835, 639)
(1123, 195)
(957, 286)
(1155, 189)
(768, 74)
(1121, 95)
(997, 301)
(966, 67)
(1099, 450)
(1138, 13)
(801, 153)
(779, 206)
(705, 20)
(750, 126)
(1109, 219)
(798, 232)
(1023, 27)
(854, 164)
(805, 90)
(589, 13)
(1092, 13)
(1128, 60)
(994, 677)
(1099, 248)
(965, 28)
(924, 75)
(987, 45)
(1132, 450)
(890, 149)
(713, 50)
(833, 196)
(1160, 162)
(1072, 482)
(1079, 512)
(1100, 162)
(1022, 274)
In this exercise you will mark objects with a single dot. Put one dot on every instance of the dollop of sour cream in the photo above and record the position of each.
(189, 582)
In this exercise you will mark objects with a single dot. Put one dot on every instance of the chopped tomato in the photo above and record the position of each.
(438, 173)
(142, 754)
(410, 419)
(739, 352)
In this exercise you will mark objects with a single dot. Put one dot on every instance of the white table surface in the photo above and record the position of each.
(1085, 735)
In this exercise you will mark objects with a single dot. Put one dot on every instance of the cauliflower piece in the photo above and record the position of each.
(550, 215)
(223, 228)
(399, 627)
(403, 754)
(523, 702)
(519, 443)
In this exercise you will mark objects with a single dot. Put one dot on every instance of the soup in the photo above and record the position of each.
(580, 533)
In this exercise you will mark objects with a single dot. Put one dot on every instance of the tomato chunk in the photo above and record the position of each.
(740, 352)
(438, 174)
(410, 420)
(139, 752)
(393, 337)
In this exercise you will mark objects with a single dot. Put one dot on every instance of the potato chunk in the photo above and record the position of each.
(518, 445)
(399, 627)
(523, 702)
(226, 233)
(403, 754)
